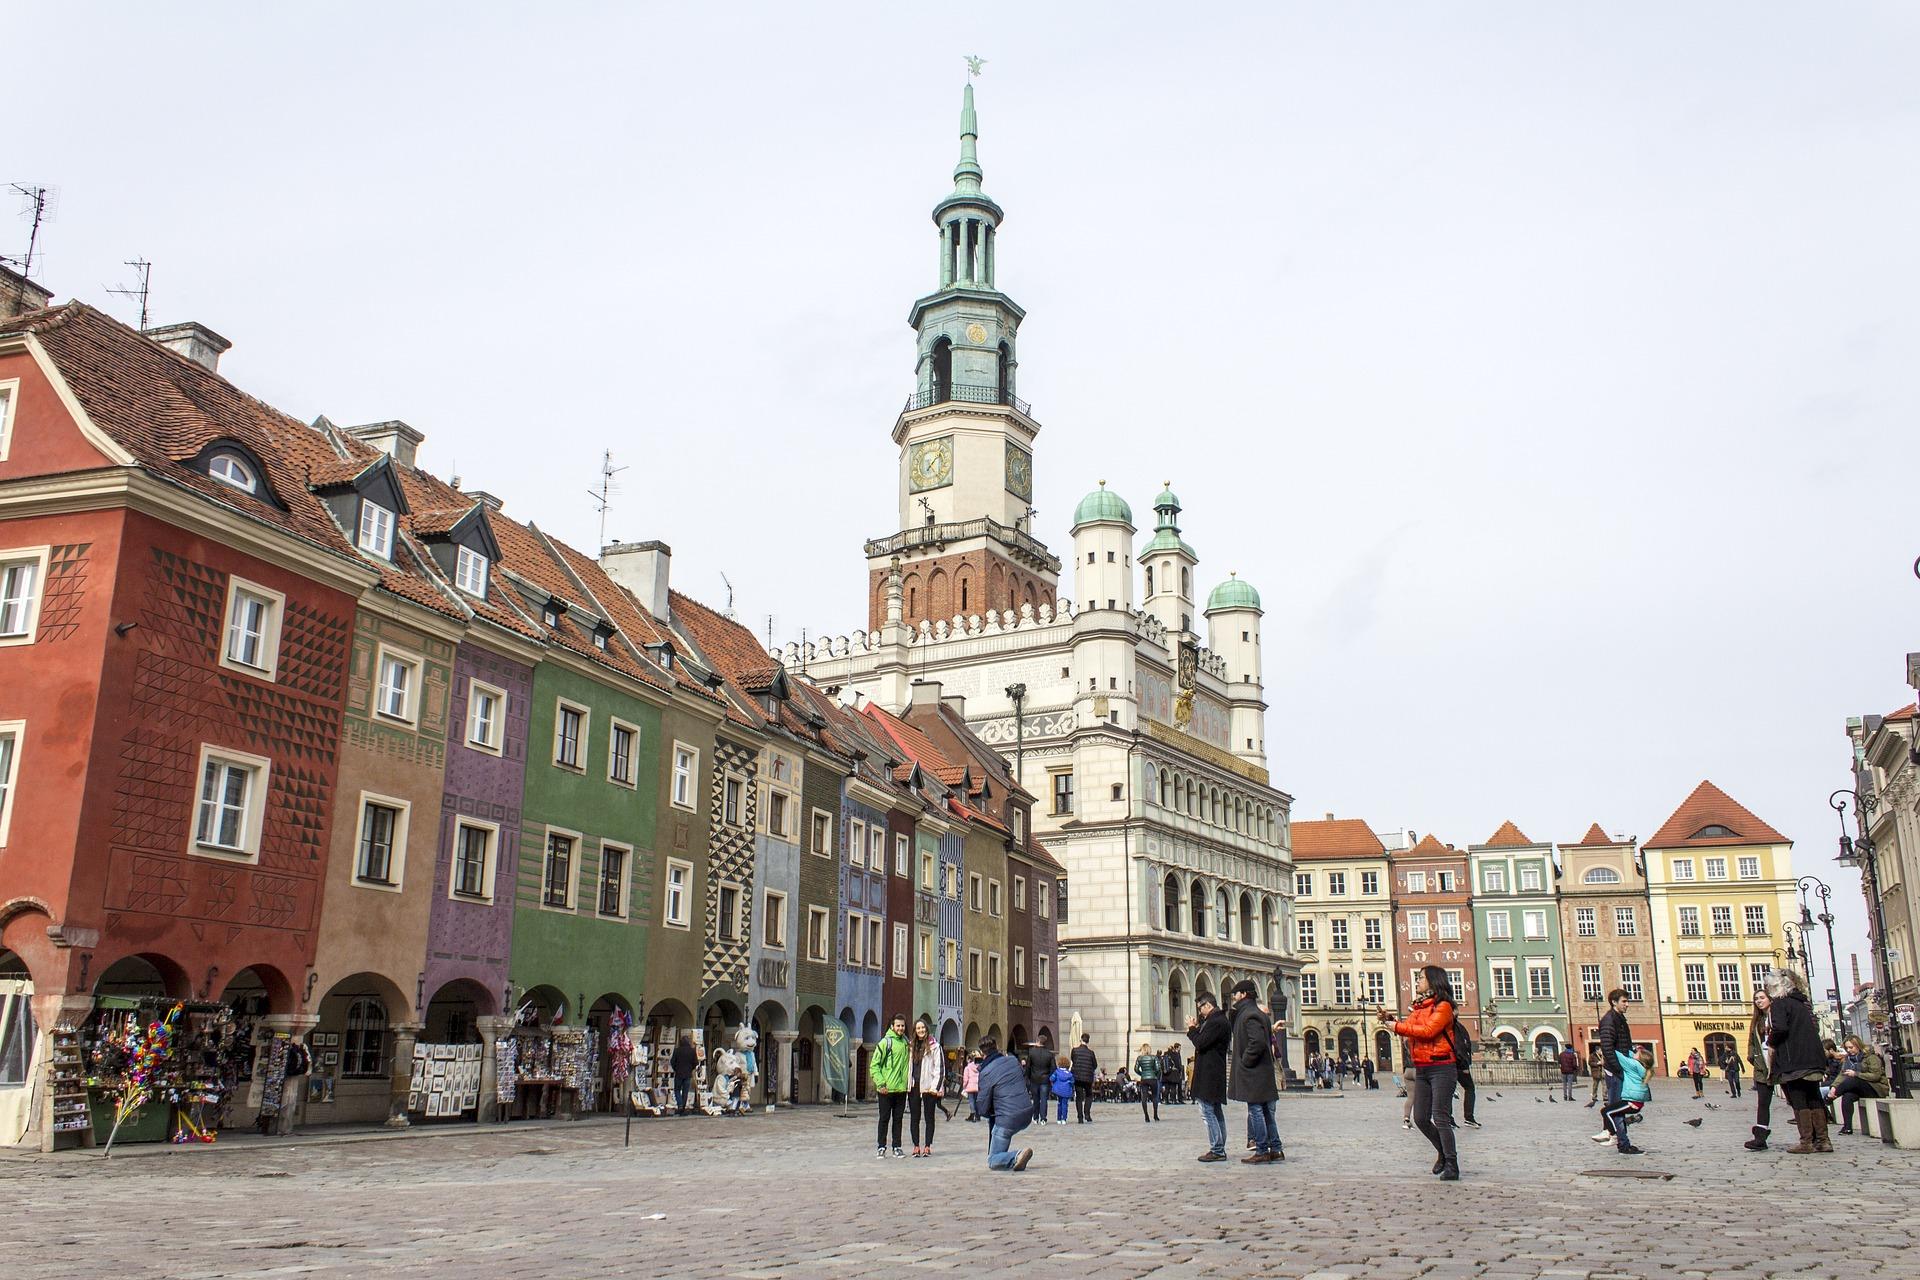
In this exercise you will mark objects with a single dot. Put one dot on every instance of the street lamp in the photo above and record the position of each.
(1807, 919)
(1860, 854)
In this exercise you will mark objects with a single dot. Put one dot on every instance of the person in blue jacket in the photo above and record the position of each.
(1006, 1104)
(1062, 1086)
(1634, 1096)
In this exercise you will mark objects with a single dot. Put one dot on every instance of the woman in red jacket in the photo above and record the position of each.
(1428, 1030)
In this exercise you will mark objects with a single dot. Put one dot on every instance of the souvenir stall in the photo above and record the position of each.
(154, 1070)
(445, 1084)
(544, 1070)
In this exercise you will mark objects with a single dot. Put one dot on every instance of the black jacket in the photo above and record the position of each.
(1795, 1040)
(682, 1061)
(1039, 1064)
(1210, 1041)
(1084, 1064)
(1616, 1036)
(1253, 1079)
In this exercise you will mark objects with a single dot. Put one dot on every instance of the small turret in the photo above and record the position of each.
(1233, 632)
(1103, 629)
(1169, 564)
(1103, 551)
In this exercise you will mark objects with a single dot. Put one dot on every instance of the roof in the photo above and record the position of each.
(1907, 712)
(1336, 838)
(1595, 838)
(1234, 593)
(1709, 806)
(746, 667)
(1429, 847)
(1508, 837)
(944, 726)
(1102, 504)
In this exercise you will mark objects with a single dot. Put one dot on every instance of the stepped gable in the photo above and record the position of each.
(1508, 837)
(1709, 806)
(1335, 838)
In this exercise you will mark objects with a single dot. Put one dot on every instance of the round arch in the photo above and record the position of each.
(1197, 896)
(1546, 1043)
(950, 1034)
(1349, 1041)
(1171, 902)
(1246, 918)
(547, 1001)
(258, 989)
(454, 1011)
(973, 1035)
(146, 973)
(1176, 999)
(870, 1029)
(1310, 1039)
(1269, 924)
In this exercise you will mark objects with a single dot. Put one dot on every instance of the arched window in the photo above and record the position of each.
(1216, 806)
(963, 595)
(228, 469)
(1186, 584)
(1192, 805)
(1176, 1000)
(1222, 914)
(1005, 374)
(1601, 875)
(1266, 923)
(1246, 919)
(1163, 788)
(942, 371)
(364, 1050)
(1171, 891)
(1149, 579)
(1197, 908)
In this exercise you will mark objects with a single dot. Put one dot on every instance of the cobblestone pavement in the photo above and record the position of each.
(801, 1194)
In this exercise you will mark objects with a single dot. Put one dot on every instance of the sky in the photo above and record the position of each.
(1548, 368)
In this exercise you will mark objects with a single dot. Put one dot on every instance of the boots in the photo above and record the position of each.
(1758, 1142)
(1803, 1121)
(1820, 1140)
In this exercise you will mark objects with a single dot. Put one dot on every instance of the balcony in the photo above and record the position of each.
(966, 393)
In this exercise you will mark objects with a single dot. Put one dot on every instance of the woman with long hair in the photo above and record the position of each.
(1863, 1075)
(1797, 1062)
(1758, 1056)
(926, 1081)
(1429, 1031)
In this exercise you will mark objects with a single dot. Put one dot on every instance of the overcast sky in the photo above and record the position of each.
(1548, 368)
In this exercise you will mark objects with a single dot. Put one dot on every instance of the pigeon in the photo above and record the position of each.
(1711, 1107)
(1499, 1095)
(1693, 1123)
(1554, 1098)
(1539, 1099)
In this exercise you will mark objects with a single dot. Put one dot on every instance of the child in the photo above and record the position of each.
(970, 1085)
(1062, 1085)
(1634, 1096)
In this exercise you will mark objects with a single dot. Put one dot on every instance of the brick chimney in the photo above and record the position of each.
(394, 438)
(194, 341)
(485, 499)
(19, 295)
(643, 568)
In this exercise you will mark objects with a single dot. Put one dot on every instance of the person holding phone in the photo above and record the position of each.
(1430, 1030)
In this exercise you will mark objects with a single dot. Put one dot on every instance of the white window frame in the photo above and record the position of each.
(1683, 868)
(733, 796)
(233, 471)
(487, 868)
(375, 533)
(397, 856)
(976, 968)
(37, 557)
(275, 607)
(1499, 926)
(876, 942)
(900, 940)
(1043, 973)
(819, 929)
(1530, 879)
(1305, 936)
(976, 891)
(1749, 866)
(1019, 893)
(626, 881)
(1534, 966)
(632, 781)
(252, 815)
(739, 921)
(1721, 986)
(923, 953)
(573, 868)
(777, 826)
(14, 732)
(1496, 968)
(950, 959)
(1019, 966)
(1417, 930)
(495, 742)
(1336, 884)
(1303, 884)
(1043, 899)
(996, 974)
(856, 842)
(877, 849)
(1416, 882)
(1342, 987)
(1310, 989)
(1718, 913)
(1494, 878)
(9, 402)
(773, 920)
(686, 768)
(1630, 918)
(1446, 925)
(822, 848)
(902, 854)
(1586, 922)
(416, 666)
(929, 864)
(1339, 935)
(1689, 913)
(1595, 990)
(1528, 925)
(1372, 934)
(856, 947)
(1747, 913)
(1446, 881)
(995, 900)
(582, 742)
(465, 577)
(667, 895)
(1632, 981)
(1688, 972)
(1713, 865)
(1369, 884)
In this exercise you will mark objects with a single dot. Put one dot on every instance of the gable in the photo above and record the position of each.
(47, 433)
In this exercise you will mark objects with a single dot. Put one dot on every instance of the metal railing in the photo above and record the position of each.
(966, 393)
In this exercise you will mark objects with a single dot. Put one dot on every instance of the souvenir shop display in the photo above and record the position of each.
(546, 1070)
(186, 1056)
(445, 1080)
(620, 1051)
(67, 1081)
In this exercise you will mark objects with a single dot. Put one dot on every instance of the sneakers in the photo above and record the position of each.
(1406, 1123)
(1020, 1161)
(898, 1154)
(1602, 1136)
(1212, 1157)
(881, 1152)
(1471, 1124)
(1631, 1150)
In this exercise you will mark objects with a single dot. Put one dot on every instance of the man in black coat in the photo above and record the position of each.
(1253, 1081)
(1039, 1077)
(1085, 1066)
(1615, 1036)
(1211, 1036)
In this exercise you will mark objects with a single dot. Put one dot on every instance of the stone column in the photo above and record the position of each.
(853, 1071)
(293, 1099)
(50, 1010)
(780, 1080)
(946, 254)
(405, 1034)
(491, 1029)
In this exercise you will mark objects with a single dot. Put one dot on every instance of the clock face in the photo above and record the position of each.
(1019, 472)
(930, 464)
(976, 333)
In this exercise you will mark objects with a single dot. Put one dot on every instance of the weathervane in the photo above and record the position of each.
(974, 63)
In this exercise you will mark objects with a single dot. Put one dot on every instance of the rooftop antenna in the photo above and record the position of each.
(770, 633)
(602, 497)
(37, 203)
(144, 270)
(724, 578)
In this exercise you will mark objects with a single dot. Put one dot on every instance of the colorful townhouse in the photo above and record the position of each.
(1608, 933)
(1343, 930)
(1516, 920)
(1720, 884)
(1433, 924)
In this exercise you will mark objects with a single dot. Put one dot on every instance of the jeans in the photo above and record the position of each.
(1150, 1093)
(1847, 1088)
(892, 1106)
(1216, 1127)
(998, 1140)
(1466, 1094)
(1262, 1129)
(680, 1086)
(1599, 1082)
(922, 1106)
(1083, 1100)
(1433, 1088)
(1763, 1107)
(973, 1104)
(1567, 1080)
(1733, 1083)
(1040, 1090)
(1061, 1115)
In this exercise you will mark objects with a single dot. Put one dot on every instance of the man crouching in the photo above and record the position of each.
(1006, 1104)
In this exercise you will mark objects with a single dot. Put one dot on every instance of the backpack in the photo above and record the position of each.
(1462, 1045)
(299, 1062)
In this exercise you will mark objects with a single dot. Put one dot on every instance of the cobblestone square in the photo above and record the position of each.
(801, 1194)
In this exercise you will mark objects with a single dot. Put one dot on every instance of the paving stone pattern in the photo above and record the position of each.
(801, 1194)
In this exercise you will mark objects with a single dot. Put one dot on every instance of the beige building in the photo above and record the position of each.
(1884, 764)
(1343, 937)
(1607, 932)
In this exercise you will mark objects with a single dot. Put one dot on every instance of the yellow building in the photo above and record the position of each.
(1720, 884)
(1343, 938)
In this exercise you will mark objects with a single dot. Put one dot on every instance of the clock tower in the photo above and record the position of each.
(965, 544)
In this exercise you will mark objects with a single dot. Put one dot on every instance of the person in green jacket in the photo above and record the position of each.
(1758, 1059)
(1863, 1076)
(888, 1071)
(1146, 1069)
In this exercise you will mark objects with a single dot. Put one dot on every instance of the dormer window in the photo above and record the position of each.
(376, 529)
(230, 470)
(600, 637)
(470, 572)
(551, 615)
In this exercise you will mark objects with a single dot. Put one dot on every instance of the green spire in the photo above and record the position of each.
(1166, 532)
(966, 174)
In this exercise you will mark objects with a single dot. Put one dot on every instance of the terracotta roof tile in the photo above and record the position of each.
(1907, 712)
(1508, 837)
(1335, 838)
(1710, 806)
(1431, 847)
(1594, 837)
(333, 473)
(439, 520)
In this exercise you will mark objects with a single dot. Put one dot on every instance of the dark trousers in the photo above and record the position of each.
(1763, 1105)
(920, 1109)
(680, 1085)
(1733, 1083)
(893, 1106)
(1699, 1083)
(1466, 1093)
(1040, 1090)
(1083, 1100)
(1433, 1107)
(1802, 1095)
(1847, 1088)
(1150, 1092)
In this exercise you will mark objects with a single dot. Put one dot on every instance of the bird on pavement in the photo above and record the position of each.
(1711, 1107)
(1499, 1095)
(1693, 1123)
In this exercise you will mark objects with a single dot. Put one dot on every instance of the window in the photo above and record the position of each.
(486, 717)
(11, 732)
(1689, 922)
(877, 849)
(1446, 881)
(1416, 926)
(1540, 979)
(1534, 923)
(1303, 934)
(1337, 933)
(556, 880)
(473, 860)
(232, 799)
(1502, 973)
(230, 470)
(993, 897)
(779, 806)
(874, 926)
(376, 529)
(1590, 984)
(1625, 923)
(1309, 988)
(1303, 884)
(685, 758)
(732, 798)
(1762, 973)
(1042, 899)
(819, 935)
(1722, 918)
(1369, 883)
(1019, 826)
(569, 723)
(975, 887)
(1457, 980)
(727, 923)
(1499, 926)
(973, 969)
(1063, 791)
(1631, 984)
(950, 960)
(856, 938)
(822, 838)
(470, 572)
(899, 950)
(363, 1049)
(1043, 973)
(1449, 926)
(1376, 987)
(9, 392)
(923, 953)
(1336, 884)
(1342, 987)
(1495, 879)
(1756, 920)
(253, 629)
(857, 844)
(21, 573)
(1749, 868)
(1585, 922)
(1683, 868)
(1019, 893)
(1530, 878)
(927, 864)
(1416, 882)
(1729, 975)
(1601, 875)
(1696, 982)
(679, 892)
(1019, 966)
(614, 861)
(1371, 934)
(399, 676)
(383, 834)
(1716, 868)
(902, 854)
(620, 740)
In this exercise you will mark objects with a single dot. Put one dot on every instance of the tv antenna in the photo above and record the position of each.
(38, 203)
(724, 578)
(144, 270)
(603, 496)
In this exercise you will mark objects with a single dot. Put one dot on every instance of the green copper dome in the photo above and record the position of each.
(1233, 594)
(1167, 498)
(1102, 504)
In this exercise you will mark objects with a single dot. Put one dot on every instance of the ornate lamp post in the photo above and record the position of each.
(1860, 854)
(1807, 919)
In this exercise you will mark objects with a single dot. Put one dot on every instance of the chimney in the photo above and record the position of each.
(395, 439)
(957, 702)
(489, 501)
(19, 295)
(643, 569)
(925, 693)
(1329, 817)
(194, 341)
